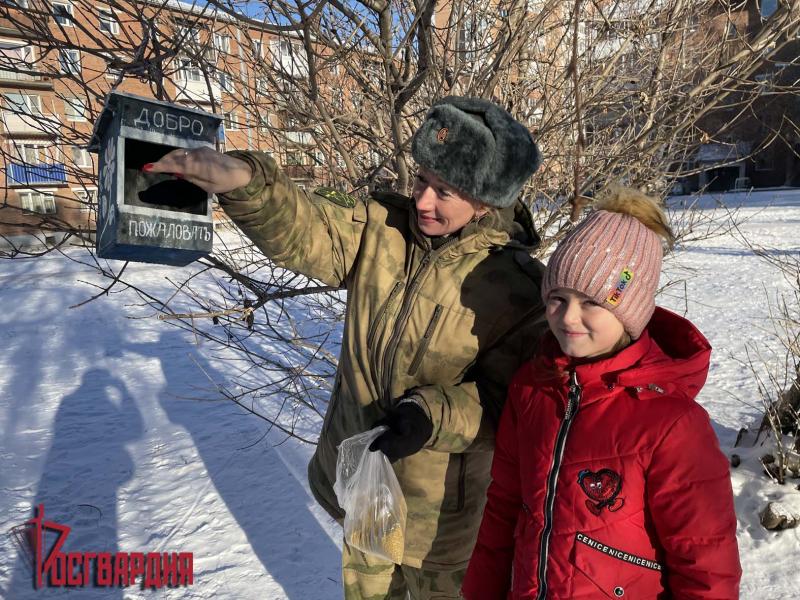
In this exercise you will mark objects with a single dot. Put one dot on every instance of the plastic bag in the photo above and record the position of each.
(369, 493)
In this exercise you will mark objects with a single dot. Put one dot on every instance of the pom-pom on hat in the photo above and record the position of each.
(614, 256)
(478, 148)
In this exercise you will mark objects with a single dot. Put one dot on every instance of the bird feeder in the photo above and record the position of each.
(150, 217)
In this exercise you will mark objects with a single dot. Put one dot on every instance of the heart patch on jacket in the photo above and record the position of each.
(603, 488)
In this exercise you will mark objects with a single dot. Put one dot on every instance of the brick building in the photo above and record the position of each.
(752, 140)
(59, 59)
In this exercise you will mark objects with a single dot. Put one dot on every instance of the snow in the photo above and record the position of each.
(118, 426)
(114, 426)
(729, 291)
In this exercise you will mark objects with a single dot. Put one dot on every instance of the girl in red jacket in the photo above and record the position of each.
(608, 481)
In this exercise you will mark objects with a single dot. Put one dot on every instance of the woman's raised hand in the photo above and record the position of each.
(214, 172)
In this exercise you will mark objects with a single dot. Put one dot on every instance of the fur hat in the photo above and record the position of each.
(614, 256)
(478, 148)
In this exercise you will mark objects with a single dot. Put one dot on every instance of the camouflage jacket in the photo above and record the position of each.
(448, 325)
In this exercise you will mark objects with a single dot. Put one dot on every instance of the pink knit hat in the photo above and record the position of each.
(614, 257)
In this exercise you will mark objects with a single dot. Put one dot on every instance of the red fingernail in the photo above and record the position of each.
(178, 175)
(147, 167)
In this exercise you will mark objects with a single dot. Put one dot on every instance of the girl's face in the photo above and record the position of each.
(441, 208)
(583, 328)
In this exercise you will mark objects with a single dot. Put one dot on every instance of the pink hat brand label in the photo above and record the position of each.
(625, 278)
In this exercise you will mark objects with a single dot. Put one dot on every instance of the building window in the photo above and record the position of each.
(27, 104)
(768, 7)
(81, 157)
(86, 196)
(16, 56)
(337, 98)
(75, 109)
(108, 21)
(62, 13)
(222, 43)
(231, 121)
(258, 48)
(112, 72)
(38, 202)
(262, 85)
(298, 158)
(189, 71)
(290, 122)
(70, 61)
(31, 153)
(473, 32)
(263, 123)
(187, 34)
(225, 81)
(288, 58)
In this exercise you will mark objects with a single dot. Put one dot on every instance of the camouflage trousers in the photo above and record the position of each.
(366, 577)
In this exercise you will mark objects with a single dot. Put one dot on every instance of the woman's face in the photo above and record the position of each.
(583, 328)
(441, 208)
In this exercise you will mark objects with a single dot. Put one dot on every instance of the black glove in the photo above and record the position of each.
(409, 430)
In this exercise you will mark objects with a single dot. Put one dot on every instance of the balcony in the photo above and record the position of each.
(41, 174)
(24, 80)
(197, 91)
(289, 59)
(19, 67)
(299, 138)
(27, 124)
(24, 18)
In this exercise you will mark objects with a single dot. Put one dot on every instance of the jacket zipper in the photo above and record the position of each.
(573, 403)
(405, 311)
(426, 340)
(379, 317)
(399, 326)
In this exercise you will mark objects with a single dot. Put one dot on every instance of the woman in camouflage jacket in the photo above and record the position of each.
(443, 305)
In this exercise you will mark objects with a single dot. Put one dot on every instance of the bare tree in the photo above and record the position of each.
(623, 90)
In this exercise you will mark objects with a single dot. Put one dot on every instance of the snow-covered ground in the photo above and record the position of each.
(729, 294)
(114, 425)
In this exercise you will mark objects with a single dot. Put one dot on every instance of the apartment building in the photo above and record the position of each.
(753, 139)
(747, 137)
(59, 59)
(635, 60)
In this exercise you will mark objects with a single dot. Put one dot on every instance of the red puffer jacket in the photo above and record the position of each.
(608, 481)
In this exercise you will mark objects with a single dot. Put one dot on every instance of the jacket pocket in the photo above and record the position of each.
(373, 329)
(455, 484)
(614, 571)
(426, 340)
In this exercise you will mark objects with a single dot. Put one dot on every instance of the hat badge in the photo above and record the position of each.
(441, 136)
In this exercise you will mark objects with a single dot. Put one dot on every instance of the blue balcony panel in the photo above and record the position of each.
(27, 174)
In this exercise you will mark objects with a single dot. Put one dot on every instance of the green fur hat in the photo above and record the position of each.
(478, 148)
